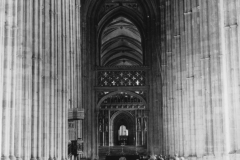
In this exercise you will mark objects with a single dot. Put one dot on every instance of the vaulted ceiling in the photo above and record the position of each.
(121, 44)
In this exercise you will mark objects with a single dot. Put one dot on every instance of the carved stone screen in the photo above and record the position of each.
(121, 78)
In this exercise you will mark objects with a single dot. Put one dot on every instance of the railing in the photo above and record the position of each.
(75, 149)
(75, 114)
(70, 150)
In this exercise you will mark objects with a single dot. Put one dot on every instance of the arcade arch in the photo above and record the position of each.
(122, 108)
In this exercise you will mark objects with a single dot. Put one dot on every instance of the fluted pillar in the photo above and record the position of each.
(65, 91)
(52, 136)
(59, 77)
(56, 89)
(34, 77)
(35, 80)
(193, 77)
(9, 52)
(19, 84)
(13, 83)
(230, 59)
(2, 25)
(27, 79)
(215, 80)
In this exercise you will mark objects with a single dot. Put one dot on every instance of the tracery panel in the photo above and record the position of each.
(121, 78)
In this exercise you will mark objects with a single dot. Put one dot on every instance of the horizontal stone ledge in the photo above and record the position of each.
(146, 110)
(177, 36)
(122, 88)
(188, 13)
(122, 109)
(196, 9)
(235, 152)
(205, 58)
(190, 77)
(121, 68)
(75, 113)
(231, 25)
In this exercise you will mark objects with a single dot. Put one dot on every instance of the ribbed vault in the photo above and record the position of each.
(121, 43)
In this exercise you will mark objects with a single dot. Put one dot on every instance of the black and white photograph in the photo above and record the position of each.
(119, 80)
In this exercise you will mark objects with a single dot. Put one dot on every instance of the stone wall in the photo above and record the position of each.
(199, 70)
(40, 76)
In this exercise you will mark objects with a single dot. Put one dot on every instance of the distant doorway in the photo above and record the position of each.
(123, 135)
(123, 129)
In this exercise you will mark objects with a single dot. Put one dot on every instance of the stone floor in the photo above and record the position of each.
(117, 150)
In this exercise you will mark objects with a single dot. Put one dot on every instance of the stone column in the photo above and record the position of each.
(56, 90)
(60, 77)
(136, 134)
(32, 55)
(2, 29)
(46, 78)
(225, 80)
(197, 72)
(174, 74)
(35, 80)
(7, 80)
(78, 54)
(109, 116)
(205, 78)
(13, 82)
(40, 112)
(182, 74)
(66, 101)
(52, 80)
(237, 42)
(103, 131)
(67, 57)
(163, 74)
(177, 70)
(215, 77)
(68, 53)
(111, 134)
(230, 60)
(19, 81)
(142, 131)
(27, 85)
(189, 76)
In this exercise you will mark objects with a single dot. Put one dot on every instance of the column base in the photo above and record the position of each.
(95, 157)
(5, 158)
(18, 158)
(111, 144)
(12, 158)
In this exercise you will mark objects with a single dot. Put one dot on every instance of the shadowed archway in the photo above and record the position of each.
(126, 119)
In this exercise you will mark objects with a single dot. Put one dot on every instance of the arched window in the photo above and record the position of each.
(123, 131)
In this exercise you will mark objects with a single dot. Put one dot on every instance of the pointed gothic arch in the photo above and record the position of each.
(119, 91)
(115, 122)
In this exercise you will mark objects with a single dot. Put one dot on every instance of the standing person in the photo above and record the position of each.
(176, 157)
(169, 157)
(153, 157)
(160, 157)
(182, 158)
